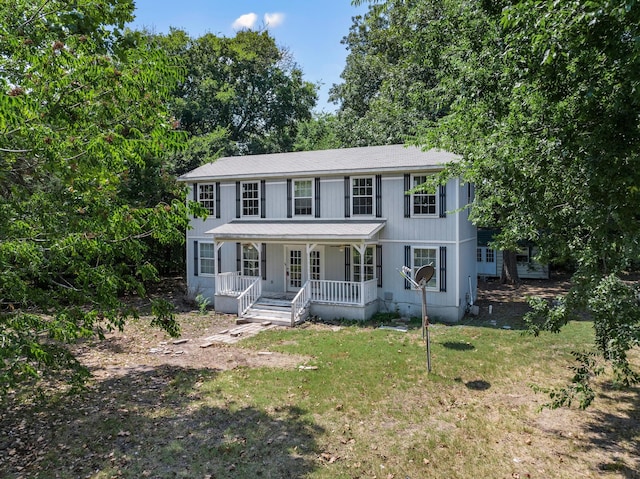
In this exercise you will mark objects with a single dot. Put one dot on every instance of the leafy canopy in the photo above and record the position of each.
(545, 110)
(82, 122)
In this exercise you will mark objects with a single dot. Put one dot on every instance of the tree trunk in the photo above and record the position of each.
(509, 274)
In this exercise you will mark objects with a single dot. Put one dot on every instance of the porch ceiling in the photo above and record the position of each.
(275, 231)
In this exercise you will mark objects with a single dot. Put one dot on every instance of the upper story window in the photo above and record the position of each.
(302, 197)
(206, 196)
(251, 198)
(423, 204)
(362, 195)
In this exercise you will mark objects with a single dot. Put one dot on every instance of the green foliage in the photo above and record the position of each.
(319, 133)
(83, 194)
(540, 99)
(202, 303)
(243, 95)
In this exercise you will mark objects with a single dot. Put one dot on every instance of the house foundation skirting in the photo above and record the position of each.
(341, 311)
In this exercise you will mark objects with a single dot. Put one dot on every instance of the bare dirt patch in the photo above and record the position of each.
(505, 304)
(141, 347)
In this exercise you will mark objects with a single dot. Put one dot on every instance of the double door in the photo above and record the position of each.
(298, 269)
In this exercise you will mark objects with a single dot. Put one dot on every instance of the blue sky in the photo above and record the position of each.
(310, 29)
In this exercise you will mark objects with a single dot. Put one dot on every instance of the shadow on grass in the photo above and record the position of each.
(475, 385)
(155, 423)
(458, 345)
(618, 433)
(478, 385)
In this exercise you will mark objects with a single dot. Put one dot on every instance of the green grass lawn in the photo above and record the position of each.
(364, 406)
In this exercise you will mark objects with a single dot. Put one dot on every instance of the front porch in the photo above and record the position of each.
(243, 295)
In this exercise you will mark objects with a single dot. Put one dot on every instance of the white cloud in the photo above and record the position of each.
(248, 20)
(273, 20)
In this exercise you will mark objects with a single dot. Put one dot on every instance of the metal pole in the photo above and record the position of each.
(425, 326)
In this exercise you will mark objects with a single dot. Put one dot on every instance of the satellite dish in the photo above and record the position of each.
(424, 274)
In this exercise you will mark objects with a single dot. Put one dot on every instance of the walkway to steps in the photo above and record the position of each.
(231, 336)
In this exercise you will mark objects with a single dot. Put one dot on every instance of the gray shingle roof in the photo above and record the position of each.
(298, 230)
(323, 162)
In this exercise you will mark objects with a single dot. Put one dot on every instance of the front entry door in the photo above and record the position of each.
(293, 268)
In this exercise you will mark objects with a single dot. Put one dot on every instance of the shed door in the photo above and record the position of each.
(486, 261)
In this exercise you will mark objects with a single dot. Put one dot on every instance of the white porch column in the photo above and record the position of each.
(361, 249)
(310, 248)
(217, 246)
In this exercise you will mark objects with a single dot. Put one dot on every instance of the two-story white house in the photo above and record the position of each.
(327, 232)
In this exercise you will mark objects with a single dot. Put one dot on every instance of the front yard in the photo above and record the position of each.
(327, 401)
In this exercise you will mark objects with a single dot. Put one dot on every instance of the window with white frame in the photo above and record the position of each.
(479, 255)
(422, 257)
(362, 195)
(315, 265)
(302, 197)
(423, 203)
(251, 198)
(250, 261)
(206, 196)
(207, 256)
(367, 272)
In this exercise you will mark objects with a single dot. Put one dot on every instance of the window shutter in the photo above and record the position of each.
(407, 196)
(443, 201)
(239, 258)
(317, 197)
(347, 197)
(263, 199)
(289, 199)
(195, 258)
(238, 200)
(217, 199)
(347, 264)
(379, 264)
(263, 261)
(219, 261)
(407, 263)
(378, 196)
(443, 268)
(195, 192)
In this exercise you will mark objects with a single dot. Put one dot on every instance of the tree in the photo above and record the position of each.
(388, 75)
(244, 90)
(319, 133)
(545, 115)
(83, 124)
(409, 61)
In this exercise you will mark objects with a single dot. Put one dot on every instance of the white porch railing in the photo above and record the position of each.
(300, 302)
(249, 296)
(344, 292)
(233, 283)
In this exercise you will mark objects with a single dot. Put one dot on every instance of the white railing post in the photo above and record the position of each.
(250, 295)
(300, 301)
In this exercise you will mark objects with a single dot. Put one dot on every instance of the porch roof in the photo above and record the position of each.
(291, 231)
